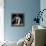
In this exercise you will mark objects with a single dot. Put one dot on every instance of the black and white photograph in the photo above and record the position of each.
(17, 19)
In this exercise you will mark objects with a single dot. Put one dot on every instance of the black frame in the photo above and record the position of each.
(20, 19)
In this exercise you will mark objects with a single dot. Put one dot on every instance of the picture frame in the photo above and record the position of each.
(17, 19)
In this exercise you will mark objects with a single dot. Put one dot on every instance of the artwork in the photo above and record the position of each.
(17, 19)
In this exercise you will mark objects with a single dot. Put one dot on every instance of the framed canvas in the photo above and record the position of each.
(17, 19)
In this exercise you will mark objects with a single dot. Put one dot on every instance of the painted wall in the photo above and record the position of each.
(1, 20)
(43, 6)
(28, 7)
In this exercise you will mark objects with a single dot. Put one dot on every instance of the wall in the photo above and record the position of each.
(28, 7)
(43, 6)
(1, 20)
